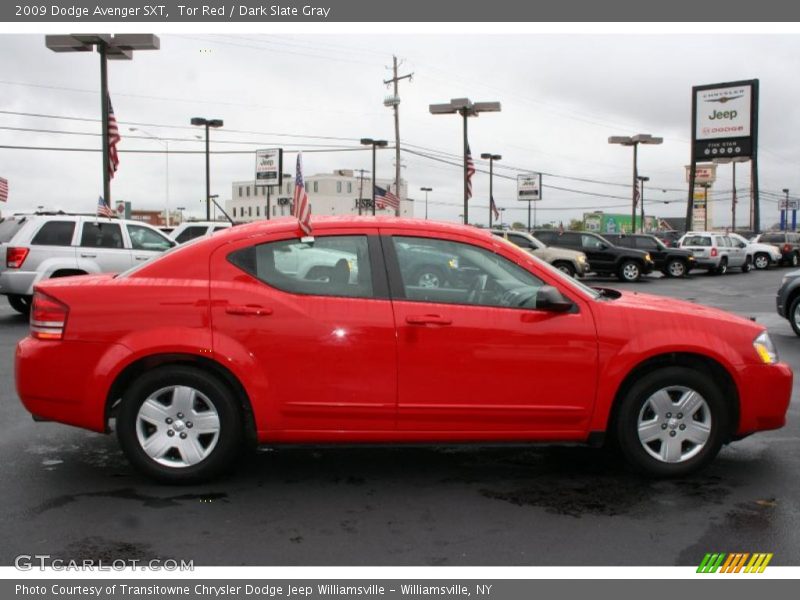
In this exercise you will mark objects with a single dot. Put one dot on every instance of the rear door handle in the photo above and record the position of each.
(428, 320)
(88, 255)
(141, 257)
(248, 310)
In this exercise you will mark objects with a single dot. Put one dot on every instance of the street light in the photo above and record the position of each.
(426, 190)
(642, 179)
(114, 47)
(180, 209)
(165, 143)
(207, 123)
(375, 144)
(466, 108)
(785, 211)
(642, 138)
(491, 158)
(502, 213)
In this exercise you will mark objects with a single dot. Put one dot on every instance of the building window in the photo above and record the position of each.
(316, 187)
(338, 187)
(247, 189)
(258, 211)
(241, 192)
(349, 187)
(249, 211)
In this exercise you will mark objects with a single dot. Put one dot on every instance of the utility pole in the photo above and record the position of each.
(361, 188)
(394, 102)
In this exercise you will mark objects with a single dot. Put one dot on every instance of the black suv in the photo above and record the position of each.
(673, 262)
(604, 257)
(787, 242)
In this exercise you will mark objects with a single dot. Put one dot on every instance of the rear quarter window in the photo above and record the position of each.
(697, 240)
(9, 228)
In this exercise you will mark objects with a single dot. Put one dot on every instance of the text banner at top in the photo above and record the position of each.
(242, 11)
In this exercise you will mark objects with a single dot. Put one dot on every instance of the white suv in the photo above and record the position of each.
(717, 251)
(42, 246)
(190, 230)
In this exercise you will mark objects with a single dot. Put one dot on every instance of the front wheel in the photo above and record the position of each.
(723, 267)
(747, 266)
(178, 424)
(676, 268)
(672, 422)
(794, 316)
(761, 261)
(630, 271)
(20, 303)
(429, 277)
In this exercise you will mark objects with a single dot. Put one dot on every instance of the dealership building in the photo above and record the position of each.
(335, 193)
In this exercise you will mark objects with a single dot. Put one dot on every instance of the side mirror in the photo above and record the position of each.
(550, 299)
(602, 246)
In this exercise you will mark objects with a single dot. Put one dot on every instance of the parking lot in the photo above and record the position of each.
(72, 494)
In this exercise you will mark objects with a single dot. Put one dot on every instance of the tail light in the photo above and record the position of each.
(787, 248)
(15, 257)
(48, 317)
(713, 252)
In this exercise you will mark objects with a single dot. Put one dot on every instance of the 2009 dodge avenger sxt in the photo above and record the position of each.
(386, 330)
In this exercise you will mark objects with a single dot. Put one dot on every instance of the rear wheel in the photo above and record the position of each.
(428, 277)
(761, 261)
(20, 303)
(178, 424)
(676, 268)
(672, 422)
(565, 267)
(630, 271)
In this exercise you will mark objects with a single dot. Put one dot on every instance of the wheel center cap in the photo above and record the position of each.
(672, 423)
(178, 425)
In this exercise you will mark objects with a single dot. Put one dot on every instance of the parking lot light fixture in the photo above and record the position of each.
(426, 190)
(635, 140)
(466, 108)
(491, 158)
(207, 123)
(375, 144)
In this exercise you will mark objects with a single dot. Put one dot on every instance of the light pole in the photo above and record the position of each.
(180, 209)
(491, 158)
(641, 138)
(110, 47)
(642, 180)
(466, 108)
(426, 190)
(785, 212)
(375, 144)
(165, 143)
(502, 214)
(207, 123)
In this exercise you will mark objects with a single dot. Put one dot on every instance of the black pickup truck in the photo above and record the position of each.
(604, 257)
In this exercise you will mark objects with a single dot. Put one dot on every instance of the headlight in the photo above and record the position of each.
(765, 349)
(647, 257)
(581, 259)
(453, 263)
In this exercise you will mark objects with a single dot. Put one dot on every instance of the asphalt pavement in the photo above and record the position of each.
(71, 494)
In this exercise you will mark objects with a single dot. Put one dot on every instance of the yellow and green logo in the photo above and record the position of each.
(735, 562)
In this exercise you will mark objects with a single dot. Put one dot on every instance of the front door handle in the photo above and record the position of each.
(428, 320)
(141, 257)
(88, 255)
(248, 310)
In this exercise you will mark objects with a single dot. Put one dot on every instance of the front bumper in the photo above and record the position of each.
(764, 395)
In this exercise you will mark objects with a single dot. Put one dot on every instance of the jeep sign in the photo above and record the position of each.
(269, 167)
(723, 120)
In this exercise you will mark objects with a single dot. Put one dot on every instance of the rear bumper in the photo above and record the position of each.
(14, 282)
(66, 381)
(764, 397)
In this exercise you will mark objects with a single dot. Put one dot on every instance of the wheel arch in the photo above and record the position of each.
(698, 362)
(146, 363)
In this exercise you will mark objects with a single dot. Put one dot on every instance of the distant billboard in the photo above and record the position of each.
(269, 167)
(529, 187)
(725, 119)
(702, 173)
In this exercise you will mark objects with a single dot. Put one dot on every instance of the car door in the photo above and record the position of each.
(470, 365)
(147, 243)
(320, 340)
(102, 247)
(648, 244)
(596, 251)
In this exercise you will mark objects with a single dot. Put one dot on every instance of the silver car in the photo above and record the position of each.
(716, 252)
(43, 246)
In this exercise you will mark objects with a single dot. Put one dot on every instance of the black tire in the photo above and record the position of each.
(428, 276)
(761, 261)
(793, 260)
(635, 405)
(629, 271)
(565, 267)
(230, 430)
(794, 316)
(20, 303)
(747, 266)
(723, 266)
(676, 268)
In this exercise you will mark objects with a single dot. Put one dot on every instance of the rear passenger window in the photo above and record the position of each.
(328, 266)
(55, 233)
(696, 240)
(101, 235)
(643, 243)
(546, 237)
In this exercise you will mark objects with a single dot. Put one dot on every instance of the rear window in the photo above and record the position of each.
(696, 240)
(55, 233)
(772, 238)
(9, 228)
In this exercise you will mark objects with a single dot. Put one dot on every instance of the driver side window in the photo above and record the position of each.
(446, 272)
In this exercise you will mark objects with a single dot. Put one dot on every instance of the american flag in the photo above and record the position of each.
(385, 197)
(470, 172)
(300, 206)
(103, 209)
(3, 189)
(113, 140)
(493, 206)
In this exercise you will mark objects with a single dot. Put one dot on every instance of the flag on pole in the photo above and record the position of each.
(300, 206)
(493, 206)
(103, 209)
(3, 189)
(385, 197)
(470, 172)
(561, 227)
(113, 140)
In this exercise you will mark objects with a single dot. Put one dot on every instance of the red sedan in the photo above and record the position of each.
(386, 330)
